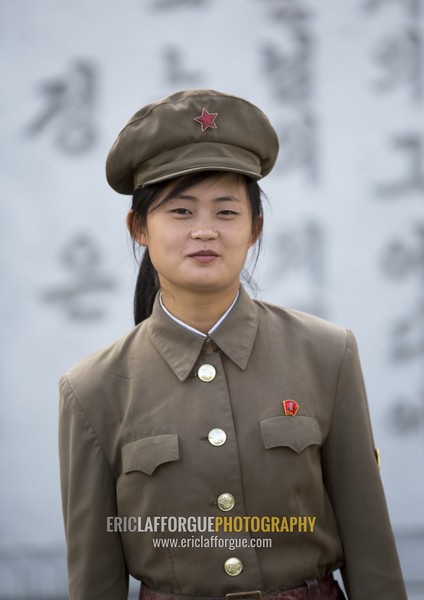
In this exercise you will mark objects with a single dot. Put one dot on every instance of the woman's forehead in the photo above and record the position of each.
(214, 186)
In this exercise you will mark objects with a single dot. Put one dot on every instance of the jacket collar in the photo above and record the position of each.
(180, 347)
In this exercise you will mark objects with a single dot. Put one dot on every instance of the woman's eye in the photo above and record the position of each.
(180, 211)
(227, 213)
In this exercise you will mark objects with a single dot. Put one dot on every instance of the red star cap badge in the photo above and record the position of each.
(207, 119)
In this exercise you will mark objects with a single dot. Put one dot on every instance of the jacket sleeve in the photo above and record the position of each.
(96, 565)
(371, 570)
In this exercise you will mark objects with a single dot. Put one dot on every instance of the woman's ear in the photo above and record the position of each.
(256, 230)
(135, 232)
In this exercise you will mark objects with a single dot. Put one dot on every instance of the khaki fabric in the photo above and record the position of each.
(190, 131)
(134, 424)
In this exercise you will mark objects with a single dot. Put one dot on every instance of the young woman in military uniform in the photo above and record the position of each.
(244, 418)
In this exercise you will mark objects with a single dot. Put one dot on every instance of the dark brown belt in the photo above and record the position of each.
(324, 588)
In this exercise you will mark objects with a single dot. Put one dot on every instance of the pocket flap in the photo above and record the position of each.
(295, 432)
(148, 453)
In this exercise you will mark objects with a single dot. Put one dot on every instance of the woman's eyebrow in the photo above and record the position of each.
(217, 199)
(225, 198)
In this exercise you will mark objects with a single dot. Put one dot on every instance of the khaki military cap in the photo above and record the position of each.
(192, 130)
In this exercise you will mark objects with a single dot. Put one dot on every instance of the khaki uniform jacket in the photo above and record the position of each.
(135, 419)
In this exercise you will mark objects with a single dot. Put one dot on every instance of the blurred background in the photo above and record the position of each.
(342, 82)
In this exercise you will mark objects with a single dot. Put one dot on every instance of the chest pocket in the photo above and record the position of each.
(295, 432)
(146, 454)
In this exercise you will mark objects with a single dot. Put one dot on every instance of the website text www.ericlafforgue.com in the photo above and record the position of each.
(216, 525)
(214, 541)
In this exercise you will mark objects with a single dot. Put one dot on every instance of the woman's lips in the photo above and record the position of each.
(204, 256)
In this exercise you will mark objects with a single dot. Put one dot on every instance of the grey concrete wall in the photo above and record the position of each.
(344, 234)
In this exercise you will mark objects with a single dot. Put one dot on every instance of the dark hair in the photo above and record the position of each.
(147, 284)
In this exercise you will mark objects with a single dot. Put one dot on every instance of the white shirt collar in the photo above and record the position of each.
(217, 324)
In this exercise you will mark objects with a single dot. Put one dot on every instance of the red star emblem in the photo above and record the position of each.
(207, 119)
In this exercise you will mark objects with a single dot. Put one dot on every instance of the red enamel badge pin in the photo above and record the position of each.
(290, 407)
(207, 119)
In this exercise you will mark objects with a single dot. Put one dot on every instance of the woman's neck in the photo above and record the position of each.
(199, 310)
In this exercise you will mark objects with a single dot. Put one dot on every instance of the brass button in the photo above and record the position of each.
(233, 566)
(226, 501)
(217, 437)
(377, 456)
(206, 372)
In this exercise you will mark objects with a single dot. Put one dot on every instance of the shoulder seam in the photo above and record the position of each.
(340, 369)
(66, 381)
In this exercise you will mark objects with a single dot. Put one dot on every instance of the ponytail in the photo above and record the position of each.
(146, 288)
(147, 285)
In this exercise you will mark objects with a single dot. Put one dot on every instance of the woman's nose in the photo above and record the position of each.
(204, 231)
